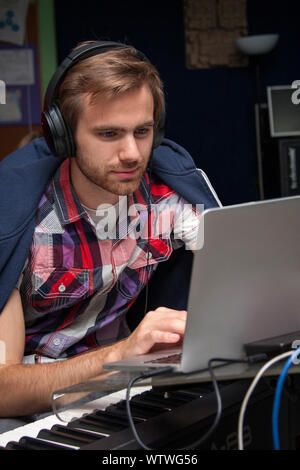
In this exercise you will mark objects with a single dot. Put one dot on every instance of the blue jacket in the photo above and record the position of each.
(24, 175)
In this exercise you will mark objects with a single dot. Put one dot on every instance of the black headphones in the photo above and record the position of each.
(57, 131)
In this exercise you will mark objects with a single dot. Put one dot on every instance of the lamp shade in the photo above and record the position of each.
(258, 44)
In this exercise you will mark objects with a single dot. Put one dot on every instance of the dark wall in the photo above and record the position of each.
(210, 112)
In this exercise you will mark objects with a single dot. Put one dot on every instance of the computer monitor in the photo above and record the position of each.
(284, 115)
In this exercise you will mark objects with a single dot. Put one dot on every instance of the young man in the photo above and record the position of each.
(100, 232)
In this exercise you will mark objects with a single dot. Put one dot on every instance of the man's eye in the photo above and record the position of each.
(142, 131)
(107, 134)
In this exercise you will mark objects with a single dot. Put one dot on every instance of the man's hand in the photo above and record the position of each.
(162, 326)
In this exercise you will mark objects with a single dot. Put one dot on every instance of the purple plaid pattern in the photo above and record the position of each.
(76, 288)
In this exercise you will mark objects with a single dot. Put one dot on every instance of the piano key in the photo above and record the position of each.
(178, 397)
(105, 425)
(185, 396)
(51, 441)
(115, 413)
(161, 400)
(84, 435)
(35, 444)
(139, 410)
(113, 417)
(85, 424)
(74, 439)
(148, 401)
(117, 423)
(13, 445)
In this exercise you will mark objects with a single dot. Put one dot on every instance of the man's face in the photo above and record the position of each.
(114, 140)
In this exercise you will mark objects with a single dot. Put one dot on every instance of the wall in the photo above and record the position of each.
(40, 30)
(47, 40)
(210, 112)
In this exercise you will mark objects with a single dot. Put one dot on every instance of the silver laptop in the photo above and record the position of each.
(245, 285)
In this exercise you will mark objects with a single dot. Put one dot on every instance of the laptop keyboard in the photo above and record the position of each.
(172, 359)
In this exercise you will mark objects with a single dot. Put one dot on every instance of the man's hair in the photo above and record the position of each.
(110, 74)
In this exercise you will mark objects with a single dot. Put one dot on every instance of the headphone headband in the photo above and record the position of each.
(84, 52)
(57, 132)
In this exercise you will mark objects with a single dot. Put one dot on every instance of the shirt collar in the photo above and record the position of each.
(67, 203)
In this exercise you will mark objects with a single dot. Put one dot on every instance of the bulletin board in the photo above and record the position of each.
(20, 71)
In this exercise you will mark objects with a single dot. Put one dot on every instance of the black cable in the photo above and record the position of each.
(249, 359)
(148, 235)
(144, 375)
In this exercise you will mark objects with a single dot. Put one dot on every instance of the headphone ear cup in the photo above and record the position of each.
(57, 132)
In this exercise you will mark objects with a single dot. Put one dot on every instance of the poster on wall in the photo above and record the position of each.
(13, 15)
(211, 26)
(19, 73)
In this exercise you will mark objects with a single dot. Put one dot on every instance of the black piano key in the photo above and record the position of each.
(179, 398)
(35, 444)
(152, 401)
(112, 417)
(183, 395)
(158, 399)
(84, 435)
(13, 445)
(139, 410)
(70, 438)
(106, 422)
(192, 389)
(123, 412)
(92, 425)
(115, 423)
(115, 413)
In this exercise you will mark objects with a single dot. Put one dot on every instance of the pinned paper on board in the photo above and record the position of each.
(13, 15)
(17, 66)
(12, 110)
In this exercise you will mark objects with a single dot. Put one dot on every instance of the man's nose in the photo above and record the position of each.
(129, 150)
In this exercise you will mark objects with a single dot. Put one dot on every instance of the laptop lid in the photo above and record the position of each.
(245, 283)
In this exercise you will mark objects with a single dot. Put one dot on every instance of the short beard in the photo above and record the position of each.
(103, 181)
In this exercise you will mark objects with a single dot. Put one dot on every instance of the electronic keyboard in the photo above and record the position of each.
(165, 418)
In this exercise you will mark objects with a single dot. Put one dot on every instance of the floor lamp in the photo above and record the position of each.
(255, 47)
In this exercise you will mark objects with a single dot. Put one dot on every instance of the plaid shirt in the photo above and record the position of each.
(77, 288)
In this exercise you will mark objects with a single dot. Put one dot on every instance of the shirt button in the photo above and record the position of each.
(62, 288)
(56, 342)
